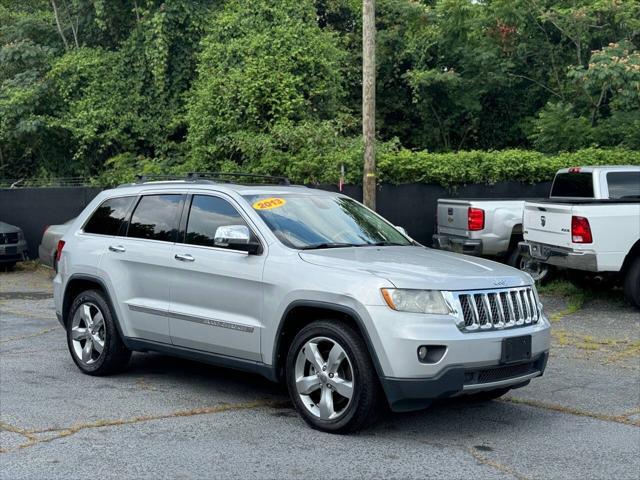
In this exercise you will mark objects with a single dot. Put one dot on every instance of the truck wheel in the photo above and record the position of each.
(331, 378)
(540, 272)
(92, 337)
(632, 283)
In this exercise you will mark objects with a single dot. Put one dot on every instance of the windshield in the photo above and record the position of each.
(313, 221)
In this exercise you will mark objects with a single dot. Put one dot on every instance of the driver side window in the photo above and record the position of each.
(206, 214)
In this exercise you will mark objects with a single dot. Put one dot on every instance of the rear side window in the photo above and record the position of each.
(578, 185)
(155, 218)
(206, 215)
(624, 184)
(108, 218)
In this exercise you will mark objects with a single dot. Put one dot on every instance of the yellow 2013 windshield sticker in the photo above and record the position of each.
(269, 203)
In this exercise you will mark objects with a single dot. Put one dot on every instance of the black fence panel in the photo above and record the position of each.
(412, 206)
(33, 209)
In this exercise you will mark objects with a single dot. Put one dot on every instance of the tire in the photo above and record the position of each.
(485, 396)
(541, 273)
(99, 351)
(340, 414)
(632, 283)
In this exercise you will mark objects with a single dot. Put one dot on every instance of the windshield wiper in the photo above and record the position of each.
(383, 244)
(319, 246)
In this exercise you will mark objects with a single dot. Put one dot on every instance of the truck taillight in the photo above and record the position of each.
(580, 230)
(59, 250)
(475, 219)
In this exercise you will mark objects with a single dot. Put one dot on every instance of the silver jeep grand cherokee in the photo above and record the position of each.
(300, 285)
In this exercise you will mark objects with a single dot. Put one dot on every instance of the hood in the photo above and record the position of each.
(421, 268)
(7, 228)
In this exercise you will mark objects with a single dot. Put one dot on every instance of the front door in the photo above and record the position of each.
(216, 292)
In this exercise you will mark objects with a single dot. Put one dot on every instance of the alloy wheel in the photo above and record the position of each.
(88, 333)
(324, 378)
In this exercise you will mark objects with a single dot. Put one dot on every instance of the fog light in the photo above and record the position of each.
(422, 353)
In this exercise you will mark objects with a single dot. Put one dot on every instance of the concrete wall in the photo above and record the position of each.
(412, 206)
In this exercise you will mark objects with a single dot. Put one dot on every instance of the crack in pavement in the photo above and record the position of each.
(481, 459)
(623, 418)
(493, 464)
(31, 335)
(33, 439)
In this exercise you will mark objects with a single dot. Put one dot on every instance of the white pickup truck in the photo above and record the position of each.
(488, 228)
(590, 225)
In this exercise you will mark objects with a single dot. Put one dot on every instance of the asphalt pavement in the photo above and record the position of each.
(171, 418)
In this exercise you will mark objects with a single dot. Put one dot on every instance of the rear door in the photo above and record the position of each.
(216, 292)
(138, 264)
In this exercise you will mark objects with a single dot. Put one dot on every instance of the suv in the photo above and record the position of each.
(297, 284)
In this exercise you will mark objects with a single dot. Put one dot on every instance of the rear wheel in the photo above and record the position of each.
(92, 337)
(632, 283)
(331, 379)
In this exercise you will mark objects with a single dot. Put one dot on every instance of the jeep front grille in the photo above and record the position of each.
(498, 309)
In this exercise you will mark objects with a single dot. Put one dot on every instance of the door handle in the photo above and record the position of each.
(184, 257)
(117, 248)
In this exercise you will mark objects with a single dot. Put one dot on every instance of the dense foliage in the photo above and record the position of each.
(109, 89)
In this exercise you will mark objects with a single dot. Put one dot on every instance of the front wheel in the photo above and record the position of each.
(331, 378)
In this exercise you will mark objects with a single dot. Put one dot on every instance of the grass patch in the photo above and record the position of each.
(616, 350)
(27, 266)
(562, 288)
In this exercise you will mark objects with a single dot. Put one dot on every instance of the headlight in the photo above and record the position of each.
(415, 301)
(20, 236)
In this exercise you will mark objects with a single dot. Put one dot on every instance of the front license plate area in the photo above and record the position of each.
(516, 349)
(11, 250)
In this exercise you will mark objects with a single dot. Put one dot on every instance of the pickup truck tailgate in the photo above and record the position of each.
(548, 224)
(453, 217)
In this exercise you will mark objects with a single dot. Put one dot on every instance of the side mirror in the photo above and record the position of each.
(402, 230)
(237, 237)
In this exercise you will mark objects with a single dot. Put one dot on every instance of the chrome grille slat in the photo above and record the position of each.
(534, 305)
(498, 309)
(502, 321)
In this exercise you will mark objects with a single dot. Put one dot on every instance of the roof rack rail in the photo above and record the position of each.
(209, 177)
(142, 178)
(212, 175)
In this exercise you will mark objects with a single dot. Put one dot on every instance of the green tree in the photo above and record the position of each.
(266, 68)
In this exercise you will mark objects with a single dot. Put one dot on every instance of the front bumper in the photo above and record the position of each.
(560, 256)
(408, 394)
(13, 253)
(452, 243)
(413, 384)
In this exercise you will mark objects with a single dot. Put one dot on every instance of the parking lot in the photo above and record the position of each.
(169, 418)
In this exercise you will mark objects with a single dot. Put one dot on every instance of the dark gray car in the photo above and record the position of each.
(13, 246)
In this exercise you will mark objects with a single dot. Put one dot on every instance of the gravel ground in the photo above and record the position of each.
(169, 418)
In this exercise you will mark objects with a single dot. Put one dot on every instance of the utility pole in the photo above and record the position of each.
(369, 102)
